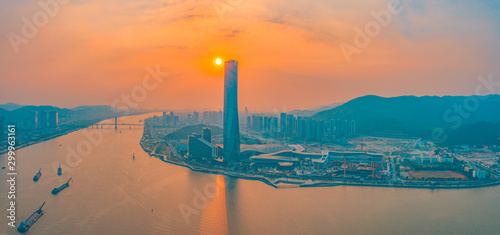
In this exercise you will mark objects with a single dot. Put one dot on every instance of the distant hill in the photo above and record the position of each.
(411, 115)
(183, 133)
(98, 109)
(3, 111)
(11, 106)
(308, 113)
(480, 133)
(21, 114)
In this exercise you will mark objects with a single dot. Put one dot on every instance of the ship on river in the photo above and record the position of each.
(57, 190)
(24, 226)
(38, 175)
(59, 170)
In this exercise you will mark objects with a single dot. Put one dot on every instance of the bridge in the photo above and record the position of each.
(116, 124)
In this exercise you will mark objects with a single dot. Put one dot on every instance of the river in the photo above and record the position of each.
(112, 193)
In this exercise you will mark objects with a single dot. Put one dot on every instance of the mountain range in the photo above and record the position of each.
(11, 106)
(308, 113)
(462, 119)
(22, 112)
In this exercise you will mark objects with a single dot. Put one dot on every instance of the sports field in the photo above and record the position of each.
(436, 175)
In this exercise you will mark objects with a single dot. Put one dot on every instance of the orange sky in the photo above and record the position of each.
(289, 52)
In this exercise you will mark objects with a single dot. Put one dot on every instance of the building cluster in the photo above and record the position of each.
(200, 146)
(432, 159)
(42, 119)
(263, 124)
(290, 126)
(193, 118)
(170, 120)
(213, 117)
(476, 172)
(342, 128)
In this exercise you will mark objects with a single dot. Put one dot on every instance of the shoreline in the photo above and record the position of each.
(59, 134)
(311, 183)
(18, 147)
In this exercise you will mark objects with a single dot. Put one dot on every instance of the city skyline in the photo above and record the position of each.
(292, 52)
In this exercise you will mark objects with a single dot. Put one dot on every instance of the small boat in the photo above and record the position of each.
(59, 170)
(133, 156)
(57, 190)
(24, 226)
(38, 175)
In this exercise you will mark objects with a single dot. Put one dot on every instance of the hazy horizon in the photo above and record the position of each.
(241, 107)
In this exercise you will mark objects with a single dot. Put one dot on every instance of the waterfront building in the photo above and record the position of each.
(231, 132)
(199, 148)
(479, 174)
(53, 119)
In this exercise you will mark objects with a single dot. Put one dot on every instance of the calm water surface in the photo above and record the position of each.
(113, 194)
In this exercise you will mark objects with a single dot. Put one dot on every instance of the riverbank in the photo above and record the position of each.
(55, 135)
(62, 133)
(293, 183)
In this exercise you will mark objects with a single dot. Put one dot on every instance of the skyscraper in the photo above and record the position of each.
(207, 134)
(231, 135)
(249, 123)
(282, 123)
(53, 119)
(42, 119)
(196, 117)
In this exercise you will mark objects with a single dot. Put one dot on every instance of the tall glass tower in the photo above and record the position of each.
(231, 136)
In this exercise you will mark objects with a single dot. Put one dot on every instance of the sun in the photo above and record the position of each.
(218, 61)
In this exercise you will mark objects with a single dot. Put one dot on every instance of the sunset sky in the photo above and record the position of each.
(289, 52)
